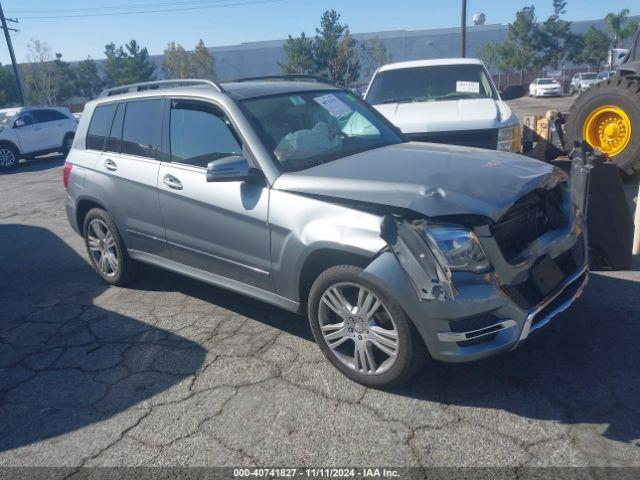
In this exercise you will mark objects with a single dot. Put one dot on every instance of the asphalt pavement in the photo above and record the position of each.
(173, 372)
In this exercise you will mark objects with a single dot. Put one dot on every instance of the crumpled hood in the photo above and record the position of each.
(430, 179)
(445, 115)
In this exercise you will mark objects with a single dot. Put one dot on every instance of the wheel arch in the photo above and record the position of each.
(11, 144)
(82, 208)
(322, 258)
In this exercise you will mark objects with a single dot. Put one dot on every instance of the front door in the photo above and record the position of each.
(220, 228)
(32, 135)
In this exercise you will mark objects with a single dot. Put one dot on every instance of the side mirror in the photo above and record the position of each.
(234, 168)
(19, 123)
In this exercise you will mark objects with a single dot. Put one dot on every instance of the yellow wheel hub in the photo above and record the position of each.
(608, 128)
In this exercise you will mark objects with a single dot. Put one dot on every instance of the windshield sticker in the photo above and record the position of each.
(333, 105)
(297, 100)
(467, 87)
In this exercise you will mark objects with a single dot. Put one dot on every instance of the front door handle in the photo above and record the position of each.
(110, 165)
(172, 182)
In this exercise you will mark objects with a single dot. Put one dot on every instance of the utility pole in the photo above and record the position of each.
(463, 29)
(16, 71)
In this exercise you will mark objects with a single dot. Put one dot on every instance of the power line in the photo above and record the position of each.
(115, 7)
(168, 10)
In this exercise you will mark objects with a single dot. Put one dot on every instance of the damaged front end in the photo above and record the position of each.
(480, 286)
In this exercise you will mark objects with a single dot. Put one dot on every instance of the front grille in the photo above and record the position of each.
(487, 138)
(532, 216)
(527, 294)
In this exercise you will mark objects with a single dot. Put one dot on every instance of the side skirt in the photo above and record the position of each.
(217, 280)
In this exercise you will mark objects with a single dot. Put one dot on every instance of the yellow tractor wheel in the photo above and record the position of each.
(607, 116)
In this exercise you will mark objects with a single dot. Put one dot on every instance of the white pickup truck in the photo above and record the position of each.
(450, 101)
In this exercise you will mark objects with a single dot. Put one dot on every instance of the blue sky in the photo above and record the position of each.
(76, 38)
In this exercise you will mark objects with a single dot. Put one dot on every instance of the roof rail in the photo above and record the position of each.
(156, 85)
(314, 78)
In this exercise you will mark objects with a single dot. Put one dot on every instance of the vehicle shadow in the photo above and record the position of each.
(66, 363)
(38, 164)
(156, 279)
(581, 368)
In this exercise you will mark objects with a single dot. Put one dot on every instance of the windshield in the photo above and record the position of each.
(427, 84)
(310, 128)
(588, 76)
(6, 117)
(546, 81)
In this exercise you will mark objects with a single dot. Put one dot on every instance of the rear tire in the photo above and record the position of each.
(9, 157)
(107, 252)
(616, 92)
(384, 330)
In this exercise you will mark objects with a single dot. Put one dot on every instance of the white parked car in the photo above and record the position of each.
(545, 87)
(450, 101)
(29, 132)
(582, 81)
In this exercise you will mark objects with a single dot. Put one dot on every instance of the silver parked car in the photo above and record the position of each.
(300, 194)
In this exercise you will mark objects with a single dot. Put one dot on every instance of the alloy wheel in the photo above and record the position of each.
(102, 246)
(358, 328)
(7, 157)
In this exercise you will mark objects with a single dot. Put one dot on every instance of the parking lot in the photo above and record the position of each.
(539, 106)
(175, 372)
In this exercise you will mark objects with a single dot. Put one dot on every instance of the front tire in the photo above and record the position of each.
(362, 331)
(9, 157)
(106, 250)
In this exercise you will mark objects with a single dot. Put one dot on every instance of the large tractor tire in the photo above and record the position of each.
(607, 116)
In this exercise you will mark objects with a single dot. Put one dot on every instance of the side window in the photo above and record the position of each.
(100, 126)
(27, 118)
(200, 133)
(48, 115)
(114, 142)
(142, 128)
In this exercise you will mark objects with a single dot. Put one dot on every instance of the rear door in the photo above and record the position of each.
(53, 125)
(218, 227)
(128, 169)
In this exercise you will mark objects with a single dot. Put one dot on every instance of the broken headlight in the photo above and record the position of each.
(509, 139)
(459, 247)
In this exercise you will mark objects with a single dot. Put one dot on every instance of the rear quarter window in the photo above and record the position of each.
(99, 126)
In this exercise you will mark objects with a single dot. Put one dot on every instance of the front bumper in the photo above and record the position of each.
(548, 93)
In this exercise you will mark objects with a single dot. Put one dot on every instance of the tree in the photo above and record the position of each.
(525, 39)
(374, 55)
(66, 77)
(47, 79)
(137, 66)
(489, 54)
(89, 83)
(128, 64)
(177, 62)
(347, 65)
(299, 53)
(327, 44)
(114, 64)
(620, 27)
(555, 35)
(203, 63)
(8, 87)
(595, 48)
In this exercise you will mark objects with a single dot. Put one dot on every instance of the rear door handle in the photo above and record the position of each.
(110, 165)
(172, 182)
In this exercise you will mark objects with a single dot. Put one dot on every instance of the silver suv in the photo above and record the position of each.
(300, 194)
